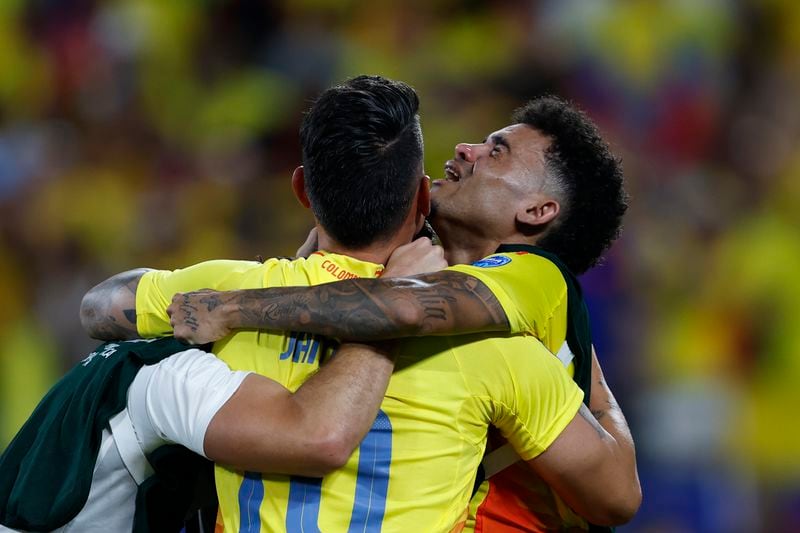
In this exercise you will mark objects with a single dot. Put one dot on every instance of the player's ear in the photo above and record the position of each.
(539, 213)
(424, 196)
(299, 186)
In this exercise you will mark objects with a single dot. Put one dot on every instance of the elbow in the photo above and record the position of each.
(619, 510)
(89, 313)
(332, 450)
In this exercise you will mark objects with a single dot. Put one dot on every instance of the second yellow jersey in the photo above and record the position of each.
(415, 469)
(534, 296)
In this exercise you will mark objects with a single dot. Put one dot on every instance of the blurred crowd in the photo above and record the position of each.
(149, 133)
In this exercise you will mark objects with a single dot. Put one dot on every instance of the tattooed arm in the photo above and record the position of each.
(108, 310)
(439, 303)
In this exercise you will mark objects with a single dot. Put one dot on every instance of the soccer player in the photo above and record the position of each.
(430, 435)
(99, 454)
(547, 180)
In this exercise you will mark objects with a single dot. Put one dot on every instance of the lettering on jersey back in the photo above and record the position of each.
(305, 348)
(337, 271)
(107, 351)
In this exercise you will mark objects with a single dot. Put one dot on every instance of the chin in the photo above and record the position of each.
(434, 210)
(434, 218)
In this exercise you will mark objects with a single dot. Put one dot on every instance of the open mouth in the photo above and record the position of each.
(451, 172)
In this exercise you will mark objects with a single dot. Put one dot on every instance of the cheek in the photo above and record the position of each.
(496, 192)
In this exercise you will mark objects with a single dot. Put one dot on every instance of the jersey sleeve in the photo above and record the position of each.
(174, 400)
(157, 287)
(530, 288)
(530, 395)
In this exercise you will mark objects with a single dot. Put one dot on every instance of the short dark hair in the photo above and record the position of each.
(588, 174)
(362, 158)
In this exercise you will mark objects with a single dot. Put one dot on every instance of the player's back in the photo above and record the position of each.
(431, 431)
(415, 469)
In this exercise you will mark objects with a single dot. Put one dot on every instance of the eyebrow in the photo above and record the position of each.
(500, 139)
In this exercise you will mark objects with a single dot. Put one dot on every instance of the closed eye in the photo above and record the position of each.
(500, 144)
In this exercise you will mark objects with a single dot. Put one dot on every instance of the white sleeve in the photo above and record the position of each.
(174, 400)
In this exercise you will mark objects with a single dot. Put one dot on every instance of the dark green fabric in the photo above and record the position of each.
(46, 471)
(579, 333)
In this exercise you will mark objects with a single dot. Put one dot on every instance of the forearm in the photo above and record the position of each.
(608, 414)
(606, 410)
(351, 387)
(108, 310)
(372, 309)
(585, 468)
(265, 428)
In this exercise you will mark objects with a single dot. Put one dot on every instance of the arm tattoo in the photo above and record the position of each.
(372, 309)
(130, 314)
(212, 302)
(108, 311)
(611, 403)
(592, 419)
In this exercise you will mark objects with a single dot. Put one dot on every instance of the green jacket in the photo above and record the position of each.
(46, 471)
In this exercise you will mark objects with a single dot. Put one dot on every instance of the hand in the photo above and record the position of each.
(310, 246)
(417, 257)
(198, 317)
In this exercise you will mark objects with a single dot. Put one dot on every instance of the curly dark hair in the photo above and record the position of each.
(589, 176)
(362, 156)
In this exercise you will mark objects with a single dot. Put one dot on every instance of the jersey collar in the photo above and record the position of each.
(346, 267)
(531, 249)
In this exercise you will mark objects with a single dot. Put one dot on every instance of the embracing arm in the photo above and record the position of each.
(108, 310)
(265, 428)
(592, 464)
(438, 303)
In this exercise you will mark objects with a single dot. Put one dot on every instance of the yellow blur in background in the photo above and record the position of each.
(148, 133)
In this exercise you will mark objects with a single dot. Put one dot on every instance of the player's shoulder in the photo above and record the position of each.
(495, 364)
(483, 349)
(518, 258)
(288, 263)
(236, 266)
(212, 266)
(522, 262)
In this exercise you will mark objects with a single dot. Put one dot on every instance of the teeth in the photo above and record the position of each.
(451, 174)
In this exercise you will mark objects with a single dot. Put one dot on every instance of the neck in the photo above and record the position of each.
(377, 252)
(465, 247)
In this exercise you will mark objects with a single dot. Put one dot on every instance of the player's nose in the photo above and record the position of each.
(472, 152)
(469, 152)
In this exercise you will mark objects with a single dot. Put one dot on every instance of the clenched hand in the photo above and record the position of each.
(417, 257)
(199, 317)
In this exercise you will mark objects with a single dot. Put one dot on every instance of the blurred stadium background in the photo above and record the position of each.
(142, 132)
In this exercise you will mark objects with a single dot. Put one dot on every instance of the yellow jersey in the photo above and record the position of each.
(416, 467)
(534, 296)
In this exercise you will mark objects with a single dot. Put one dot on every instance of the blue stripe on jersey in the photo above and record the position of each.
(303, 510)
(251, 494)
(372, 483)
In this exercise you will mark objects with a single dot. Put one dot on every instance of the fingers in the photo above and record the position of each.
(196, 317)
(173, 306)
(181, 318)
(310, 246)
(431, 254)
(417, 257)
